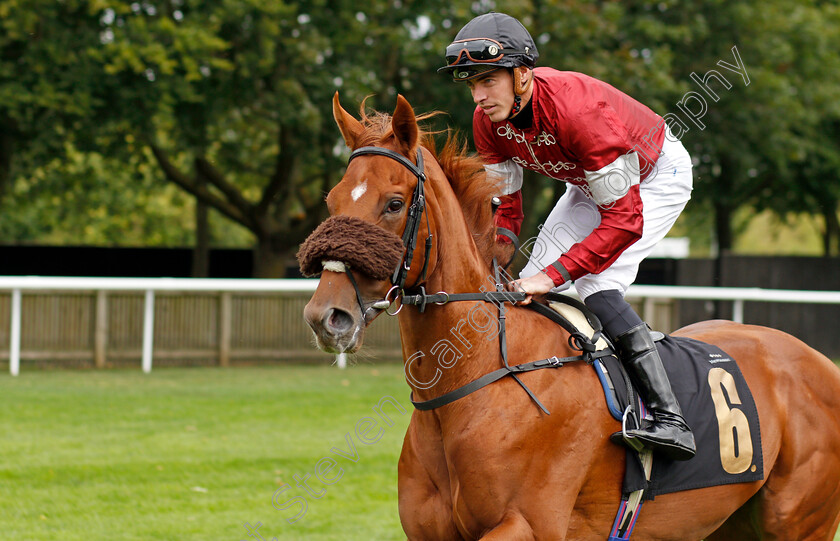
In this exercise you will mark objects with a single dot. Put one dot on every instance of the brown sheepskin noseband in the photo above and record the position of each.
(358, 244)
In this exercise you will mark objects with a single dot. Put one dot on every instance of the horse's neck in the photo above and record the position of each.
(452, 344)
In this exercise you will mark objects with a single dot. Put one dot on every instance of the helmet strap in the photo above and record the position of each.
(517, 105)
(519, 88)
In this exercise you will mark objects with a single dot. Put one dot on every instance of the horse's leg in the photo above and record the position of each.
(425, 504)
(513, 527)
(801, 498)
(742, 525)
(757, 520)
(798, 392)
(746, 524)
(796, 502)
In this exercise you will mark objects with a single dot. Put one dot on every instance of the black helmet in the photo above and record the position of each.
(488, 42)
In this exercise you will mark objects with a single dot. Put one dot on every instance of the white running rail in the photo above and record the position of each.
(18, 284)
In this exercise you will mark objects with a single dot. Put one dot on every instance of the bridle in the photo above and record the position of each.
(412, 227)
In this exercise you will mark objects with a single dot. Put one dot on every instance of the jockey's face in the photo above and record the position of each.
(494, 94)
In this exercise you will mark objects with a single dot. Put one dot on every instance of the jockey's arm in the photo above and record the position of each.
(615, 190)
(509, 215)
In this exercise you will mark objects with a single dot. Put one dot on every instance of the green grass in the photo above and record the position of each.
(184, 454)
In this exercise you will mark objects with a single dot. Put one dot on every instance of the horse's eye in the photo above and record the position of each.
(394, 205)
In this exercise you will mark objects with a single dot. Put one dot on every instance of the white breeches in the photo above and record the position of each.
(664, 195)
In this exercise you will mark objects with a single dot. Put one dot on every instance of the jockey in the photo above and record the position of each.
(627, 180)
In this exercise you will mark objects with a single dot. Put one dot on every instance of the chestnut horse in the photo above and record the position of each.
(492, 465)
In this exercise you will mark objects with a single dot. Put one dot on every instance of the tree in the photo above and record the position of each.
(58, 181)
(214, 94)
(45, 80)
(234, 100)
(756, 129)
(230, 101)
(814, 164)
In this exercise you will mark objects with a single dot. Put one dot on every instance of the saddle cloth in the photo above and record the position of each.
(716, 403)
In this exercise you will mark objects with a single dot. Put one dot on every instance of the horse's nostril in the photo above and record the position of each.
(338, 321)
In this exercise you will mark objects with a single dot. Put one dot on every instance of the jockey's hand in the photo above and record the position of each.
(533, 285)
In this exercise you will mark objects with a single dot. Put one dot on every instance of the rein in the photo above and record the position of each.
(577, 340)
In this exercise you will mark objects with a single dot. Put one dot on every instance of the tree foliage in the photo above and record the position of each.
(231, 102)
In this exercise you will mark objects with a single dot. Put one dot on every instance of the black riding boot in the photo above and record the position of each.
(669, 434)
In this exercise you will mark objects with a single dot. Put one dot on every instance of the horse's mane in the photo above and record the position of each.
(464, 170)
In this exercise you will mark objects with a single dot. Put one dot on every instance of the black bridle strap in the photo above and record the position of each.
(503, 344)
(388, 153)
(415, 211)
(496, 375)
(577, 340)
(362, 305)
(356, 288)
(513, 238)
(497, 297)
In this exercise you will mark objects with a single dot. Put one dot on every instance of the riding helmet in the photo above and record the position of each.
(488, 42)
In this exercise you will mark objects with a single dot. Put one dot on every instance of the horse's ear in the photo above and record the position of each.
(350, 127)
(404, 125)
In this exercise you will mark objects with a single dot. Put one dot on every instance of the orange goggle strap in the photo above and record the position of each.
(490, 51)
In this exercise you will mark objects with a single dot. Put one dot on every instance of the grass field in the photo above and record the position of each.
(195, 454)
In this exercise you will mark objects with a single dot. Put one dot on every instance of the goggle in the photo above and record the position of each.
(478, 50)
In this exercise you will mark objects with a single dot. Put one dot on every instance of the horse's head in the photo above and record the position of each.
(359, 250)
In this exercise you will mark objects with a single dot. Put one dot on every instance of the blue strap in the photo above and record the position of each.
(614, 408)
(615, 534)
